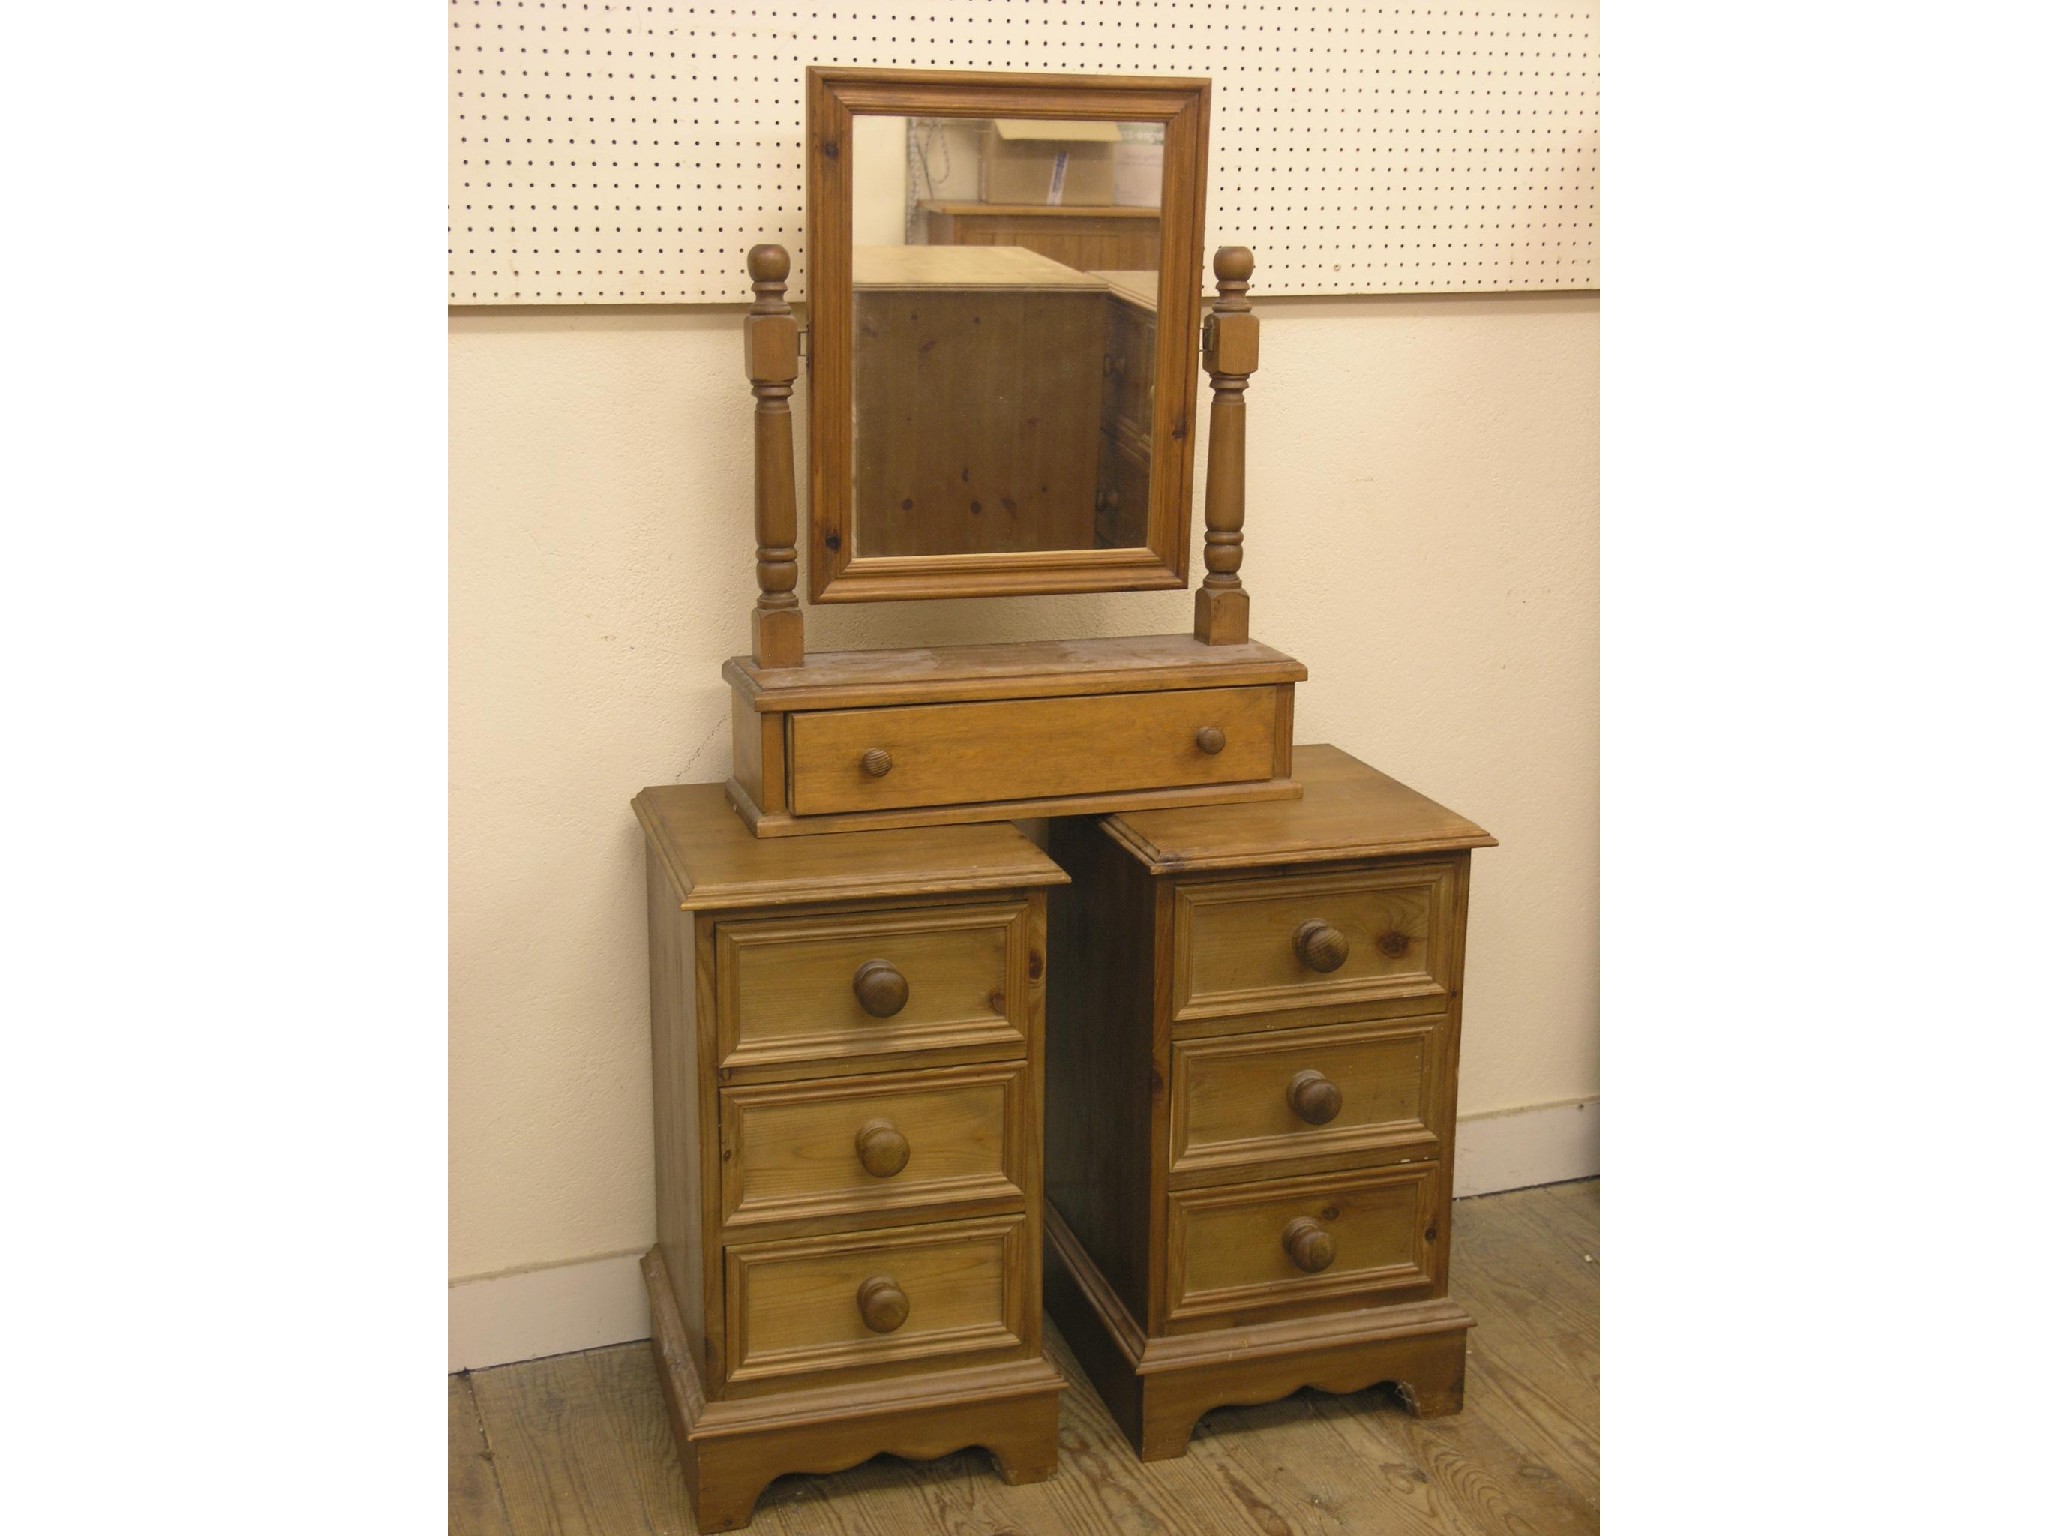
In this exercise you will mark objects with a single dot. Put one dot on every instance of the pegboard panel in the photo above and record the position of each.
(626, 152)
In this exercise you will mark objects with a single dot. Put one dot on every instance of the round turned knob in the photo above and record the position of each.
(883, 1306)
(1321, 946)
(881, 988)
(875, 762)
(1308, 1245)
(1210, 739)
(883, 1150)
(1314, 1097)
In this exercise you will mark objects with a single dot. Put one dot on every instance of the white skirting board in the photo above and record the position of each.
(584, 1304)
(589, 1303)
(1515, 1148)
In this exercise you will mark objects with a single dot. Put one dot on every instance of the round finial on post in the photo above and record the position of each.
(1233, 277)
(768, 266)
(770, 263)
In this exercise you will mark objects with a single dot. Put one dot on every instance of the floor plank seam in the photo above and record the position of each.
(489, 1454)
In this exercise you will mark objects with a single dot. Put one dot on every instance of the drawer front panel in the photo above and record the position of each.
(1228, 1249)
(1250, 946)
(1349, 1089)
(861, 1145)
(1020, 749)
(786, 986)
(813, 1304)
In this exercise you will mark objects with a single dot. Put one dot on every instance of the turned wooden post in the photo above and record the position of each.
(1230, 353)
(771, 364)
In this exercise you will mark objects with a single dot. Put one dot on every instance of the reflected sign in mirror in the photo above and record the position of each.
(1004, 291)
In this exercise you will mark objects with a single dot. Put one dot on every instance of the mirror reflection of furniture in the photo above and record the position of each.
(1079, 237)
(1034, 192)
(1002, 401)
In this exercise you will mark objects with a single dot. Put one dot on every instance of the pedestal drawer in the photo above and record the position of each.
(1359, 936)
(798, 992)
(832, 1303)
(860, 1147)
(1017, 749)
(1350, 1089)
(1240, 1249)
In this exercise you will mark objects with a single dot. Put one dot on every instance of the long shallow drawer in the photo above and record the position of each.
(829, 1303)
(864, 1146)
(800, 990)
(1351, 1089)
(1238, 1249)
(1301, 941)
(1025, 749)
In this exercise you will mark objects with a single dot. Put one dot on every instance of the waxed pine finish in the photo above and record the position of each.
(1252, 1039)
(1250, 1071)
(847, 1078)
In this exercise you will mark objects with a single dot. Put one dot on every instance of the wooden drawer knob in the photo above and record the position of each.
(1314, 1097)
(882, 1149)
(881, 988)
(1321, 947)
(883, 1306)
(1210, 739)
(875, 762)
(1308, 1245)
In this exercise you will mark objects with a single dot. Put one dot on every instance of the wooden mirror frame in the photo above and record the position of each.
(833, 98)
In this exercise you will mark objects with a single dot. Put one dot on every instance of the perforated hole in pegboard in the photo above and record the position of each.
(631, 152)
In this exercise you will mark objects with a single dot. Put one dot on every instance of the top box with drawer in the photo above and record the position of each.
(856, 740)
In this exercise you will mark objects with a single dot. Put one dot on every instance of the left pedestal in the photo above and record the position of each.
(848, 1068)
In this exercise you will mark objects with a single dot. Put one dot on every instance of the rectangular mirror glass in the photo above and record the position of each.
(1004, 302)
(1005, 295)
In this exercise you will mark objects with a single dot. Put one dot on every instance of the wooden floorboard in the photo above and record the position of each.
(475, 1507)
(580, 1443)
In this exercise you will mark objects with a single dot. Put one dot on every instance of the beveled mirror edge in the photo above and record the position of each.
(833, 96)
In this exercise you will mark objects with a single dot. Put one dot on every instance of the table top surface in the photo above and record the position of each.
(715, 862)
(1348, 810)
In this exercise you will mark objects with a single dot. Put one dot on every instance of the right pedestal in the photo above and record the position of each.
(1252, 1056)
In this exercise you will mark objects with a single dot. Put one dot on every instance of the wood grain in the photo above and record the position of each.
(794, 1307)
(771, 352)
(976, 414)
(475, 1507)
(1350, 811)
(559, 1460)
(1026, 669)
(1234, 1113)
(793, 1151)
(1093, 236)
(786, 998)
(833, 96)
(1307, 1463)
(715, 863)
(1048, 806)
(1025, 749)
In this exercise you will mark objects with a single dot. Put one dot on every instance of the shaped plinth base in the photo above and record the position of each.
(730, 1451)
(1157, 1388)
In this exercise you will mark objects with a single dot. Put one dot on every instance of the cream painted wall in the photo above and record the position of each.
(1422, 533)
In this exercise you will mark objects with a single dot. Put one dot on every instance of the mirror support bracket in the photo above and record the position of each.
(1230, 355)
(772, 349)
